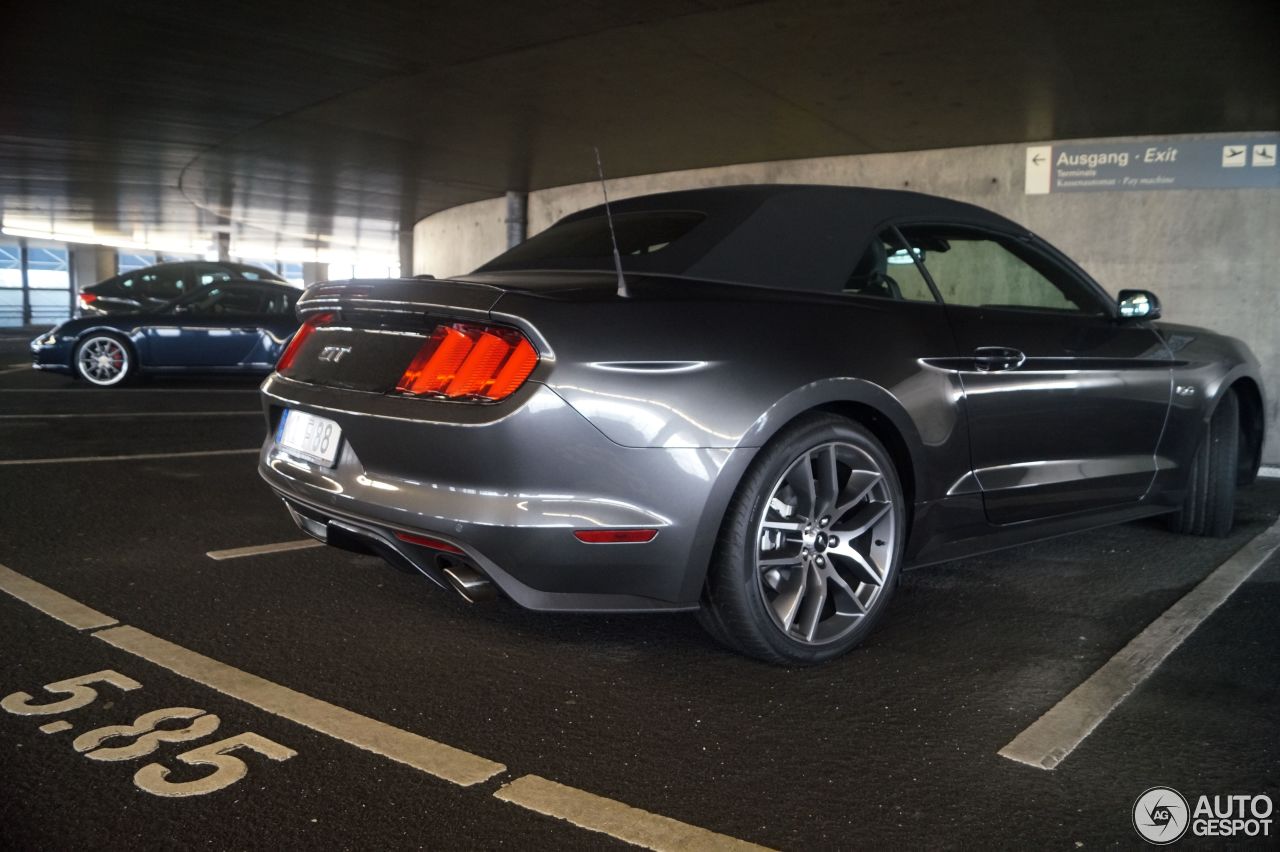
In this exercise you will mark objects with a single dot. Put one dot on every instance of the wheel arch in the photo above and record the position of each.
(888, 434)
(868, 405)
(1252, 428)
(863, 402)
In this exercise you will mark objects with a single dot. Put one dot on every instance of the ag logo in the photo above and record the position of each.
(1161, 816)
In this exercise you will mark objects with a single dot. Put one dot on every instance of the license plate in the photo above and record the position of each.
(314, 438)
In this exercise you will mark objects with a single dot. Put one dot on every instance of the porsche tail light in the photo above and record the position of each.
(300, 336)
(87, 299)
(481, 363)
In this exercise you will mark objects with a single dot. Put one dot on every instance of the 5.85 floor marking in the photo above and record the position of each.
(578, 807)
(144, 736)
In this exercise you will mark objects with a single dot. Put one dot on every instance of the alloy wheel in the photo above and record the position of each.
(103, 360)
(825, 542)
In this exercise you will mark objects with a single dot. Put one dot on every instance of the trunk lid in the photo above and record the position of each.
(375, 328)
(368, 332)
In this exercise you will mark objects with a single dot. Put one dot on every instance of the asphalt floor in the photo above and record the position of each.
(894, 745)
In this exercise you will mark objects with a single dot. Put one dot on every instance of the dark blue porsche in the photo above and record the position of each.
(228, 326)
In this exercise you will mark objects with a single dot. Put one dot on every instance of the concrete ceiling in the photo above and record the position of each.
(333, 123)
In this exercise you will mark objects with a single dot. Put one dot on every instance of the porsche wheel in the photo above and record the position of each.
(104, 360)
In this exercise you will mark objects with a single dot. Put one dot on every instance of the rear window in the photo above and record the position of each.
(211, 273)
(121, 286)
(164, 284)
(586, 243)
(255, 273)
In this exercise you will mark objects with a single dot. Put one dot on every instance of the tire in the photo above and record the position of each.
(1209, 506)
(105, 360)
(808, 554)
(709, 619)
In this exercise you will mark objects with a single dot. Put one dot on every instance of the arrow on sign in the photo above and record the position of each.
(1037, 159)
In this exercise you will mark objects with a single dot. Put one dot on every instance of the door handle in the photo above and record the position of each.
(993, 358)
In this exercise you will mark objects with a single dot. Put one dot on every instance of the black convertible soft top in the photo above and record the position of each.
(777, 235)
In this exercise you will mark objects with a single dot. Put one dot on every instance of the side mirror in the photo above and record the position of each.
(1138, 304)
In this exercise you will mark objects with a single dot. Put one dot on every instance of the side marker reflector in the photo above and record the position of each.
(428, 541)
(615, 536)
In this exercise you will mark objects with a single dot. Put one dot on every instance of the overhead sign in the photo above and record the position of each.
(1220, 163)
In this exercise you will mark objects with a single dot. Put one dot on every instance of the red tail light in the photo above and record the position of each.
(467, 361)
(87, 299)
(308, 328)
(615, 536)
(428, 541)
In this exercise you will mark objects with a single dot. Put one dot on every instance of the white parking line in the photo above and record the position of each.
(585, 810)
(438, 759)
(51, 603)
(623, 822)
(137, 457)
(14, 368)
(1053, 736)
(114, 391)
(258, 549)
(103, 414)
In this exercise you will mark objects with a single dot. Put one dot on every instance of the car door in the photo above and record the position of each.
(275, 326)
(216, 327)
(1065, 402)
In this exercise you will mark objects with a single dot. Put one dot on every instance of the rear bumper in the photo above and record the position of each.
(509, 491)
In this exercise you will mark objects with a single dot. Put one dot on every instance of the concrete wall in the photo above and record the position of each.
(461, 238)
(1209, 254)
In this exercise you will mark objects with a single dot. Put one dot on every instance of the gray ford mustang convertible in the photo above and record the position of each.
(786, 396)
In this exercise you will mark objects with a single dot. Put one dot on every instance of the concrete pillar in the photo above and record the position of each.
(517, 217)
(406, 254)
(91, 264)
(313, 272)
(223, 241)
(26, 283)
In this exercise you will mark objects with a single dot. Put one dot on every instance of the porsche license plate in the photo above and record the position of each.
(313, 438)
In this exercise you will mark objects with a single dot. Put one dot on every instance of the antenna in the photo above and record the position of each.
(617, 258)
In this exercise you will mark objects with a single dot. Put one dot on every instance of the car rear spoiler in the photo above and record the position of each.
(404, 296)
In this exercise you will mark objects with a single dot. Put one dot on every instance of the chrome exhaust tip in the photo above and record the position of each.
(473, 586)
